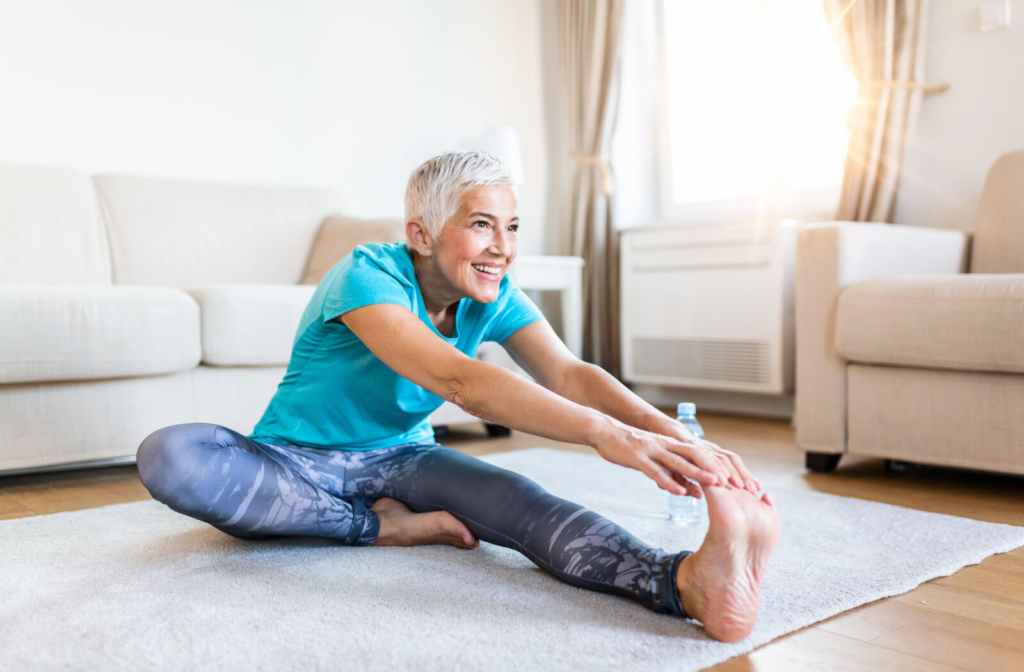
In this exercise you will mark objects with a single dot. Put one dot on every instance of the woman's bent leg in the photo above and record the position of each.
(221, 477)
(502, 507)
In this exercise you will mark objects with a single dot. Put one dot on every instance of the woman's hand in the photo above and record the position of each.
(670, 460)
(740, 476)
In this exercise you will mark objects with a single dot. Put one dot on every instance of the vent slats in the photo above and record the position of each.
(734, 361)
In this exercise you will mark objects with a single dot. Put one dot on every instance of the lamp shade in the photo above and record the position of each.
(503, 142)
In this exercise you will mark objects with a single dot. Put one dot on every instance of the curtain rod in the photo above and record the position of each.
(941, 87)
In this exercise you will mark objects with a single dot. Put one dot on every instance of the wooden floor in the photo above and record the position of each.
(973, 620)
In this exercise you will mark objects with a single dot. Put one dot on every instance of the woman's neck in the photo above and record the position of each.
(439, 296)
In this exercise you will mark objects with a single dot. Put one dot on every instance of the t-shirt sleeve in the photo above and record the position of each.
(519, 311)
(360, 282)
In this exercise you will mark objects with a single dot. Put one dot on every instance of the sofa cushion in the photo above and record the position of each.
(81, 332)
(970, 322)
(256, 325)
(249, 324)
(51, 232)
(339, 235)
(188, 234)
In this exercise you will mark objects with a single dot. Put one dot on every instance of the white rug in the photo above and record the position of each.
(139, 587)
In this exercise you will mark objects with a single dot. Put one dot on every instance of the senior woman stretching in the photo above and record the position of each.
(345, 451)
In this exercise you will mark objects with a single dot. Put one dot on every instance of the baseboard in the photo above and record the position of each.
(720, 401)
(70, 466)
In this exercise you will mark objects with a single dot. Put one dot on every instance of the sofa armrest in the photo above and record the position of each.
(829, 257)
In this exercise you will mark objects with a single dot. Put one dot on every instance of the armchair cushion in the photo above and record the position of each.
(250, 324)
(966, 322)
(83, 332)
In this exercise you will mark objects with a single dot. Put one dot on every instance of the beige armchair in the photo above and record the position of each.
(901, 353)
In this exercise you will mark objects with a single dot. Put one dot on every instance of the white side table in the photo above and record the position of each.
(563, 275)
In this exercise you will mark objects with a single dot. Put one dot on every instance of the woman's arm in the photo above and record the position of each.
(537, 348)
(406, 345)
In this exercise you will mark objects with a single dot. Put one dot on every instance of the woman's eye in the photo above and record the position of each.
(514, 227)
(481, 222)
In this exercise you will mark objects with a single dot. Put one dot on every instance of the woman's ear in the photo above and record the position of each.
(418, 237)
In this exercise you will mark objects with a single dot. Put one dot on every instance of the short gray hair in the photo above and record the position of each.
(435, 188)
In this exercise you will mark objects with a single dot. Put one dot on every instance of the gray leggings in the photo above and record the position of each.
(255, 490)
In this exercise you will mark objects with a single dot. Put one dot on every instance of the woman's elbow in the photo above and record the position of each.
(454, 390)
(468, 387)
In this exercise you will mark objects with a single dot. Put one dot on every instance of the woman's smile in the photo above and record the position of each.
(494, 274)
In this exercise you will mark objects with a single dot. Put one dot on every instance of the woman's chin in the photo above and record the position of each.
(483, 295)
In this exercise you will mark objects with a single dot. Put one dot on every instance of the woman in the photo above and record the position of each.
(345, 451)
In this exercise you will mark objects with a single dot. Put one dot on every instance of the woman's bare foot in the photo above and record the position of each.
(401, 527)
(720, 584)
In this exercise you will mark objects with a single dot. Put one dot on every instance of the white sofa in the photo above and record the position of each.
(131, 303)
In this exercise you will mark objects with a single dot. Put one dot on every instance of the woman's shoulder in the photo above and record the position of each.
(371, 273)
(379, 253)
(374, 257)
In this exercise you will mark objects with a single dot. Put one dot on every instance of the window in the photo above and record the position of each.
(754, 103)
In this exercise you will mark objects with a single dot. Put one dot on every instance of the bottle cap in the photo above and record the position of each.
(686, 408)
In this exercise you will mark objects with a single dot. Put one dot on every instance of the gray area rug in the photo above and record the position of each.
(139, 587)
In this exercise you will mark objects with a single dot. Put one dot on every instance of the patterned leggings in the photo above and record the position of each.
(255, 490)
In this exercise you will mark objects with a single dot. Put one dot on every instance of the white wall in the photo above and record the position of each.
(350, 95)
(960, 133)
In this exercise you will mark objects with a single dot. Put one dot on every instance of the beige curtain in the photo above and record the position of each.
(882, 42)
(590, 32)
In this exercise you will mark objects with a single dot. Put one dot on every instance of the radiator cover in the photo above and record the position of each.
(709, 306)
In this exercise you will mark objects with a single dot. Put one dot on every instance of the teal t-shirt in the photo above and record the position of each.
(336, 393)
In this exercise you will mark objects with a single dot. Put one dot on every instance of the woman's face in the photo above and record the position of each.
(482, 234)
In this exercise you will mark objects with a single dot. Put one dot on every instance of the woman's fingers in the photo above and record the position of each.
(661, 476)
(704, 459)
(748, 479)
(727, 465)
(735, 476)
(682, 467)
(692, 489)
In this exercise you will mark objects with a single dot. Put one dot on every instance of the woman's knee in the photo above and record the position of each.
(166, 455)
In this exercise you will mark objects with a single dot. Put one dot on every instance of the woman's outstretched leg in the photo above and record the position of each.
(221, 477)
(502, 507)
(718, 585)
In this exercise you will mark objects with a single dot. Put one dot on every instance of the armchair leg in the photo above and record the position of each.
(494, 431)
(440, 431)
(822, 463)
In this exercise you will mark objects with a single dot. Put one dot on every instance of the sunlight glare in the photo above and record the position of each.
(758, 97)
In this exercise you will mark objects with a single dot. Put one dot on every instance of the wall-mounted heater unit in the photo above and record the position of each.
(710, 306)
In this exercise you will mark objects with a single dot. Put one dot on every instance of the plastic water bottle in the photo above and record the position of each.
(683, 508)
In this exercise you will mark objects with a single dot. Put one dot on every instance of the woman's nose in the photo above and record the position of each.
(502, 244)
